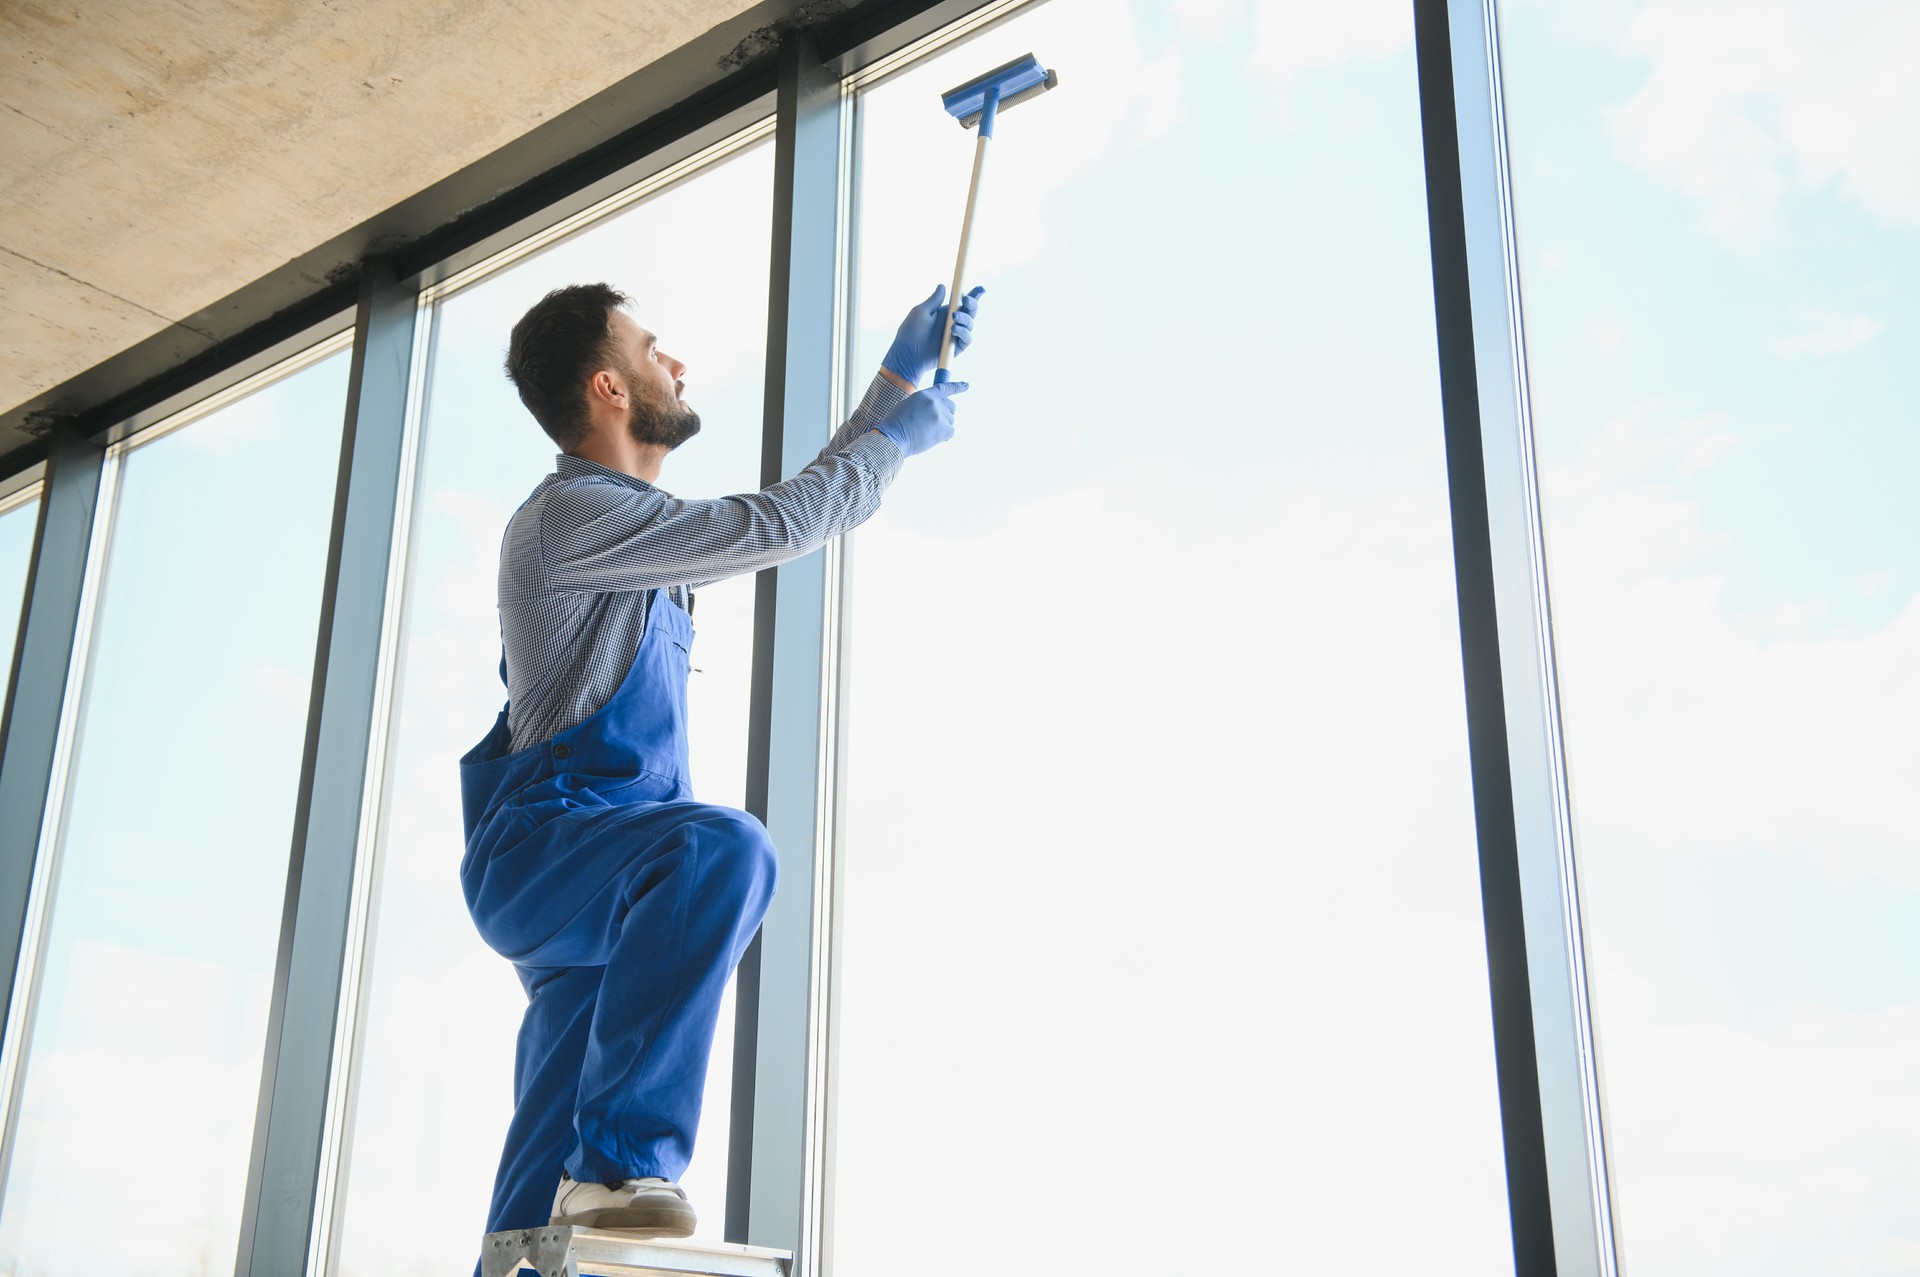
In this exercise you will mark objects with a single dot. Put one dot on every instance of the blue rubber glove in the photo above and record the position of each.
(916, 347)
(923, 419)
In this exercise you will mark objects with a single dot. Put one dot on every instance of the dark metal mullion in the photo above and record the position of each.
(1549, 1098)
(43, 700)
(1528, 1201)
(330, 1204)
(50, 623)
(285, 1173)
(767, 1164)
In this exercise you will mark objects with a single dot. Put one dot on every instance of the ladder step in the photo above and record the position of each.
(563, 1250)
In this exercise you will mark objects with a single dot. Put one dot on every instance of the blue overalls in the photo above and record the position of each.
(624, 905)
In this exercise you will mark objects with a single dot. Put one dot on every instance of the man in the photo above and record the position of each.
(622, 902)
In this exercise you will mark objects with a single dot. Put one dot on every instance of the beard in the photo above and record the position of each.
(665, 421)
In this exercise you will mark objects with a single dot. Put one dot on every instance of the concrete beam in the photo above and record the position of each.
(158, 162)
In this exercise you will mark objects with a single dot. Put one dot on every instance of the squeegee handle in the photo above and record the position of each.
(940, 374)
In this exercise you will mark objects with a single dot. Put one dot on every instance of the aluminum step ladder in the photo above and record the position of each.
(564, 1250)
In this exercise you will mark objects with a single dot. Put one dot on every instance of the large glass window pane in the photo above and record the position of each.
(1720, 222)
(1162, 928)
(135, 1112)
(435, 1083)
(17, 520)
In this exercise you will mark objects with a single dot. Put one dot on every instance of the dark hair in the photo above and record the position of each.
(563, 340)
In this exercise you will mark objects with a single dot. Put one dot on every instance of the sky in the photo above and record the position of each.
(1717, 210)
(1161, 919)
(1159, 859)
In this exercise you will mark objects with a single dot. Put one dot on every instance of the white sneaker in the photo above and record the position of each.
(655, 1207)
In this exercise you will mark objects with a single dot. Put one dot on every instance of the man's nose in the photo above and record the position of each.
(679, 369)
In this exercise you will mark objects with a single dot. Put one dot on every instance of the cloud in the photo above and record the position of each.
(1745, 104)
(1873, 583)
(1116, 95)
(1691, 725)
(1826, 334)
(1701, 442)
(1153, 832)
(1206, 20)
(1777, 752)
(692, 257)
(158, 1060)
(242, 425)
(1647, 441)
(1292, 38)
(277, 689)
(1707, 1186)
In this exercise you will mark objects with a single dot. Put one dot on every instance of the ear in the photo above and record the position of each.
(605, 385)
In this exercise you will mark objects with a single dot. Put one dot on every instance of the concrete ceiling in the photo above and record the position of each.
(158, 155)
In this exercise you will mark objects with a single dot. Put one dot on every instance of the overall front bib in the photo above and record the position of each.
(624, 905)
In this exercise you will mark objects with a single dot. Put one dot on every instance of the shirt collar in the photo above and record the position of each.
(568, 466)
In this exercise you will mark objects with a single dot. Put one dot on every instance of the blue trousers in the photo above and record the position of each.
(623, 924)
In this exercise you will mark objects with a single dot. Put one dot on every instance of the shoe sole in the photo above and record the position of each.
(653, 1220)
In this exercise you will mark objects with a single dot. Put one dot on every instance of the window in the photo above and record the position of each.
(1152, 897)
(142, 1069)
(434, 1082)
(1716, 219)
(1161, 924)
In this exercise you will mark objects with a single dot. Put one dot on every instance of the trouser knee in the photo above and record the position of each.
(740, 858)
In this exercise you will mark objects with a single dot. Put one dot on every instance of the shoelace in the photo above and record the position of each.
(651, 1184)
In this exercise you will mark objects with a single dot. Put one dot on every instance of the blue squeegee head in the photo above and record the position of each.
(1017, 80)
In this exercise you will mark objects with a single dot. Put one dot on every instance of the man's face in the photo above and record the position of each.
(655, 412)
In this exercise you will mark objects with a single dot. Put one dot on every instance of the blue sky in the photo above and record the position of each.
(1160, 854)
(1787, 338)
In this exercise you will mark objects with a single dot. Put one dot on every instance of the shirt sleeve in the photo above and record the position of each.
(882, 397)
(607, 536)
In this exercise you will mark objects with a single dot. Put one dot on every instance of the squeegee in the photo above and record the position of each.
(977, 103)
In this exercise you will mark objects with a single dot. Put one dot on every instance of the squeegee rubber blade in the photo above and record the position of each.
(1018, 76)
